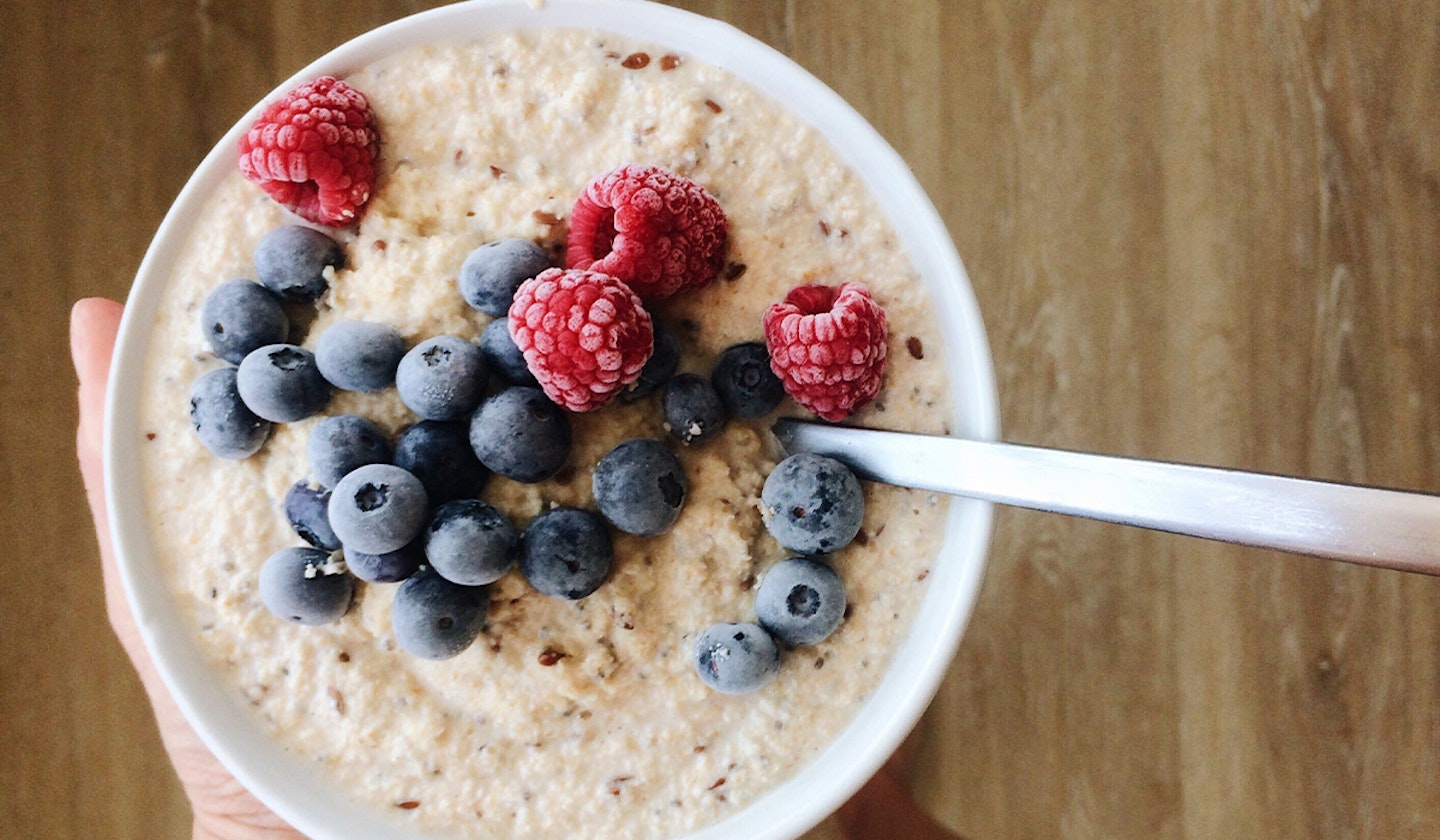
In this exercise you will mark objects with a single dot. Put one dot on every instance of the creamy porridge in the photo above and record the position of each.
(565, 719)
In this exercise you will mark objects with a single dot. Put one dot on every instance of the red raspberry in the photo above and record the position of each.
(654, 230)
(585, 335)
(314, 151)
(827, 345)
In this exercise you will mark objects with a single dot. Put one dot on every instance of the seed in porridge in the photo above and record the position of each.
(222, 421)
(713, 106)
(470, 542)
(293, 587)
(442, 378)
(801, 601)
(341, 443)
(736, 658)
(734, 271)
(566, 553)
(281, 383)
(654, 230)
(378, 508)
(636, 61)
(520, 434)
(306, 509)
(407, 805)
(435, 618)
(828, 345)
(240, 316)
(812, 504)
(492, 272)
(693, 410)
(292, 261)
(390, 567)
(496, 172)
(550, 657)
(824, 228)
(503, 354)
(916, 348)
(669, 61)
(359, 355)
(439, 454)
(747, 386)
(663, 363)
(640, 487)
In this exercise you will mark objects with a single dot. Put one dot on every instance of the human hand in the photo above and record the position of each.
(223, 808)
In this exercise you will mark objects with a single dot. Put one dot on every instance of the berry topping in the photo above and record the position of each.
(359, 355)
(281, 383)
(221, 419)
(520, 434)
(812, 504)
(640, 486)
(378, 508)
(492, 273)
(584, 334)
(656, 231)
(301, 585)
(439, 454)
(503, 354)
(437, 619)
(342, 443)
(662, 365)
(389, 567)
(470, 542)
(747, 386)
(291, 261)
(306, 508)
(736, 658)
(827, 345)
(801, 601)
(693, 411)
(239, 316)
(566, 553)
(442, 378)
(313, 150)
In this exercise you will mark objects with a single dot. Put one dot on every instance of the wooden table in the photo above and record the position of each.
(1204, 232)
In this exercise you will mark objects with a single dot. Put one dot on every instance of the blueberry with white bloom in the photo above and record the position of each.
(812, 504)
(800, 601)
(222, 421)
(341, 443)
(640, 487)
(291, 261)
(378, 508)
(491, 273)
(435, 618)
(359, 355)
(693, 411)
(520, 434)
(439, 454)
(566, 553)
(442, 378)
(470, 542)
(303, 586)
(503, 354)
(239, 316)
(307, 508)
(736, 658)
(389, 567)
(281, 383)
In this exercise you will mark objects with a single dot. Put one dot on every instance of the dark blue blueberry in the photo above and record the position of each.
(520, 434)
(341, 443)
(640, 487)
(663, 362)
(439, 454)
(470, 542)
(801, 601)
(221, 419)
(736, 658)
(301, 585)
(281, 383)
(437, 619)
(291, 261)
(491, 273)
(503, 355)
(693, 411)
(307, 509)
(748, 388)
(389, 567)
(378, 508)
(566, 553)
(442, 378)
(812, 504)
(239, 316)
(359, 355)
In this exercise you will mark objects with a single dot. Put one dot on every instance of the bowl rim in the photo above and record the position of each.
(287, 783)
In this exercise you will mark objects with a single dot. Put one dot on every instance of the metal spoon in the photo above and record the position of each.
(1389, 529)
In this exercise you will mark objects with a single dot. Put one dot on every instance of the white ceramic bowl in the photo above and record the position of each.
(288, 784)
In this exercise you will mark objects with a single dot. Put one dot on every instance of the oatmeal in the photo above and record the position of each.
(564, 718)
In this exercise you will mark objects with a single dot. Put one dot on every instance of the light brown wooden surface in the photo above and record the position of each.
(1205, 231)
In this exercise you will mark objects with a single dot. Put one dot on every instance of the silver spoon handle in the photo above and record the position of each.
(1375, 527)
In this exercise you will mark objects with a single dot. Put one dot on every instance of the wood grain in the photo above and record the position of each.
(1204, 232)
